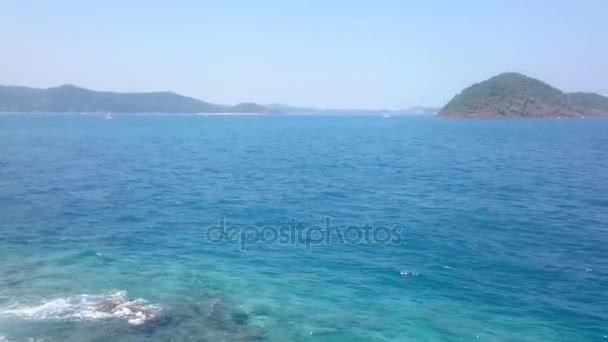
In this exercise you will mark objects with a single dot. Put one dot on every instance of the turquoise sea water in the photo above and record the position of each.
(499, 229)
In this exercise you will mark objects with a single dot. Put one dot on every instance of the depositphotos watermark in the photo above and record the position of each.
(297, 233)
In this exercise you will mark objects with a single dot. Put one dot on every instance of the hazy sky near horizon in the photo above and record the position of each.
(327, 53)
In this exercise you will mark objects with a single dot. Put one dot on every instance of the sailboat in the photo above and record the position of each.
(108, 116)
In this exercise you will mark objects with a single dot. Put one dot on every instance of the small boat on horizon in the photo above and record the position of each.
(108, 116)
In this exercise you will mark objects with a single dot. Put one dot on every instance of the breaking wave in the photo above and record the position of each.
(85, 307)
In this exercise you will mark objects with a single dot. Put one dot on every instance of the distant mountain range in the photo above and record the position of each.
(506, 95)
(70, 98)
(285, 109)
(515, 95)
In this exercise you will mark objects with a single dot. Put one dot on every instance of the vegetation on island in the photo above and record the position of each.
(516, 95)
(593, 103)
(69, 98)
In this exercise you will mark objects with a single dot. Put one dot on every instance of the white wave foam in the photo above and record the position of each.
(86, 307)
(31, 339)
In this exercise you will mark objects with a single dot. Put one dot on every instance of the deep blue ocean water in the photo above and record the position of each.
(110, 229)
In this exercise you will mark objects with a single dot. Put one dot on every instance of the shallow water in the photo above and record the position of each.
(498, 229)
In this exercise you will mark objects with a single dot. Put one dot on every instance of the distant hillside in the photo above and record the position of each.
(291, 110)
(69, 98)
(592, 103)
(249, 107)
(422, 110)
(516, 95)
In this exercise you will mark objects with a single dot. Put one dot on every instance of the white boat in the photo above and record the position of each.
(108, 116)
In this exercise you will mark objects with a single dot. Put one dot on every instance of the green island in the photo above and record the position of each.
(515, 95)
(70, 98)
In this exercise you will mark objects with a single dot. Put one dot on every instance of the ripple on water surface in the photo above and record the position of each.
(104, 229)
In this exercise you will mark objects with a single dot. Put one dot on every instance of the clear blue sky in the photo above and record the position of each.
(331, 53)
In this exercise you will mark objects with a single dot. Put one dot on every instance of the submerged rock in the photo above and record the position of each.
(240, 317)
(109, 304)
(214, 308)
(136, 311)
(229, 322)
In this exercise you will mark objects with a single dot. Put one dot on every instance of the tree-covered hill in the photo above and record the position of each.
(69, 98)
(593, 104)
(516, 95)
